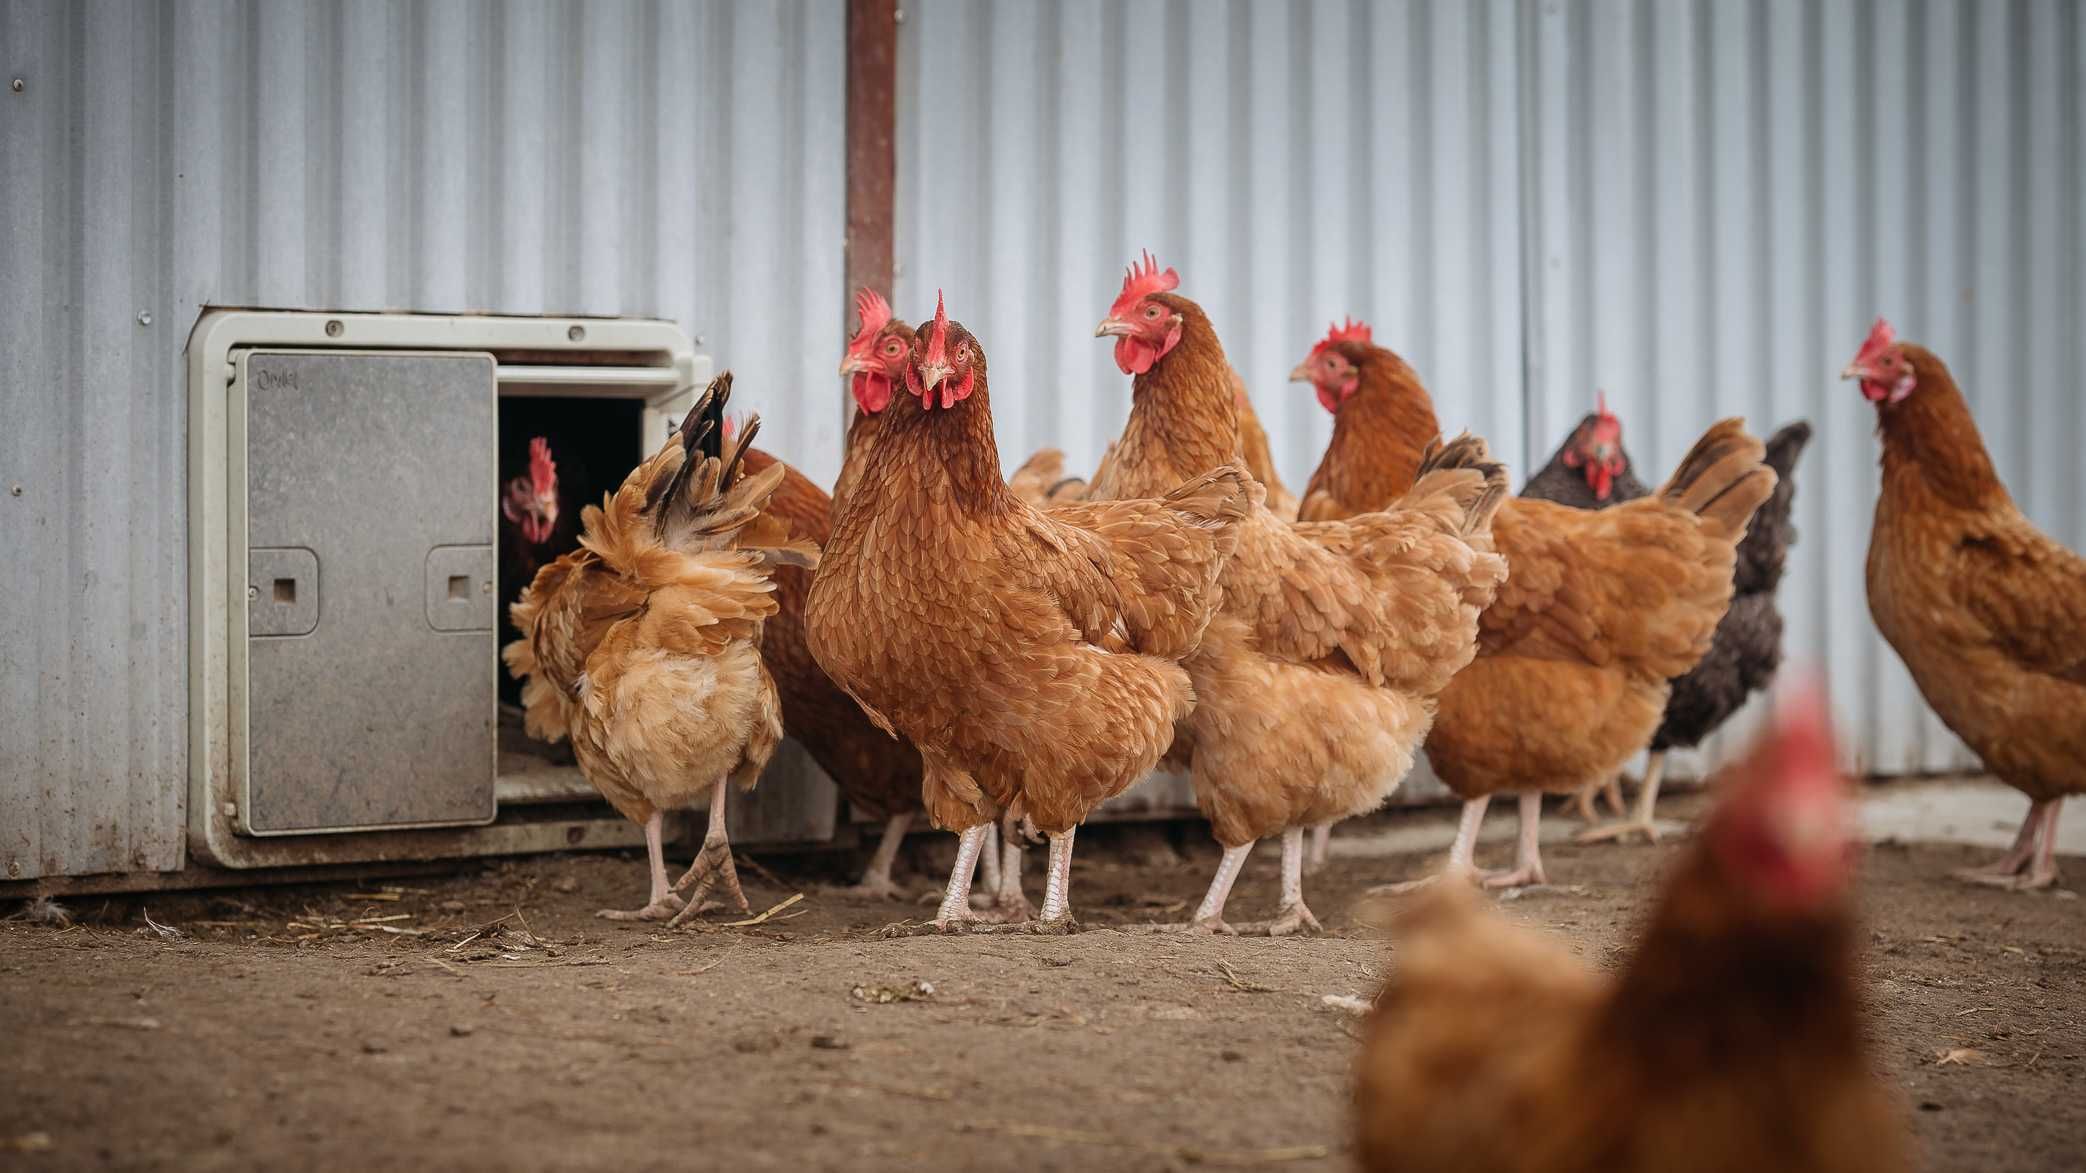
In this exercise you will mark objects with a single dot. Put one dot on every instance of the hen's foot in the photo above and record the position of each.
(1403, 887)
(872, 888)
(713, 866)
(1526, 875)
(1294, 919)
(1620, 830)
(1056, 926)
(1011, 908)
(2021, 879)
(1212, 925)
(660, 909)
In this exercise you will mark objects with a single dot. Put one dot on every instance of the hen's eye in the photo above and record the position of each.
(1151, 313)
(892, 349)
(964, 352)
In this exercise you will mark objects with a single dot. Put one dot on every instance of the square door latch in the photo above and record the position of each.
(460, 589)
(282, 591)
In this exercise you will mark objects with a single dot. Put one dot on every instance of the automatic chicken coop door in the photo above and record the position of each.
(345, 510)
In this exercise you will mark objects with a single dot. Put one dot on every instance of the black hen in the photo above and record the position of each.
(1593, 453)
(1747, 647)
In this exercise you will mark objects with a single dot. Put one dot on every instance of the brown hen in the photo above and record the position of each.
(1987, 612)
(1316, 683)
(1600, 610)
(1730, 1041)
(1032, 658)
(644, 643)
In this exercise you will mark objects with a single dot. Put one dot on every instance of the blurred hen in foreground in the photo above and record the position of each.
(1730, 1040)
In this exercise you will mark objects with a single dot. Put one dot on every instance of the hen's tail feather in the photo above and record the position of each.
(670, 500)
(1463, 469)
(1723, 478)
(1033, 480)
(1786, 445)
(1067, 489)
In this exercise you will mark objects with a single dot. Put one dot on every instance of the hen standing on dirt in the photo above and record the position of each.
(1600, 612)
(1316, 684)
(1033, 661)
(1730, 1041)
(646, 642)
(1592, 471)
(1987, 612)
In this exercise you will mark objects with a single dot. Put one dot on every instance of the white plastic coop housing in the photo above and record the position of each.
(344, 609)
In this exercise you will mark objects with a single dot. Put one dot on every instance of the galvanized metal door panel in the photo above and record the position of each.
(370, 490)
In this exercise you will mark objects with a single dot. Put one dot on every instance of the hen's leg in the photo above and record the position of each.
(876, 882)
(1294, 917)
(1321, 847)
(2005, 872)
(1461, 852)
(2044, 871)
(989, 876)
(1528, 856)
(956, 900)
(713, 864)
(1009, 903)
(664, 903)
(1057, 888)
(1209, 916)
(1647, 803)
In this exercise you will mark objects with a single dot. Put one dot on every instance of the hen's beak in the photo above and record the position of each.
(1857, 371)
(1116, 327)
(855, 364)
(933, 373)
(1301, 373)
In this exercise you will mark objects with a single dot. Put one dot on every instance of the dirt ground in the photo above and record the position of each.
(486, 1018)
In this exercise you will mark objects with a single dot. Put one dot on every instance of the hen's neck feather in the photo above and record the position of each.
(1931, 445)
(1741, 981)
(947, 452)
(1183, 414)
(1379, 434)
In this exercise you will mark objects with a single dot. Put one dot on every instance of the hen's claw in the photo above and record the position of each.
(1525, 876)
(1213, 925)
(870, 888)
(1011, 908)
(1618, 830)
(660, 909)
(1294, 919)
(713, 866)
(2027, 879)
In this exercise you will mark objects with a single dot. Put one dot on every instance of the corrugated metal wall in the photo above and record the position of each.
(1724, 196)
(666, 160)
(1294, 164)
(1701, 204)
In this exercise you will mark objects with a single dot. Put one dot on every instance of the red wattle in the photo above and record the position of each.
(872, 391)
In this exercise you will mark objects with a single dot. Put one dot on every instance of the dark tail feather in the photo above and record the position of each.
(702, 438)
(1786, 445)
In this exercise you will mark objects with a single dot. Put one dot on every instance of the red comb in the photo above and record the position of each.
(1881, 338)
(1142, 280)
(876, 314)
(938, 342)
(1600, 405)
(1347, 330)
(543, 471)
